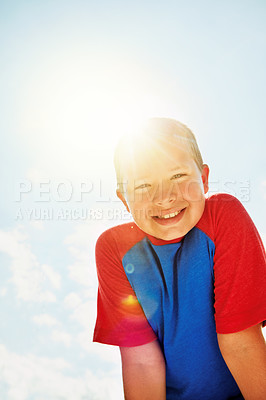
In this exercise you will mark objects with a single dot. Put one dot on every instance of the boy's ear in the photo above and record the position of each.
(122, 198)
(205, 177)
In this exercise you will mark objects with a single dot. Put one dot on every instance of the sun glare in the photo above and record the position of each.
(69, 118)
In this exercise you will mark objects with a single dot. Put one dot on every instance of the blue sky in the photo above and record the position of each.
(73, 77)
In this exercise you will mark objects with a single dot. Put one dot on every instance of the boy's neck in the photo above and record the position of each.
(160, 242)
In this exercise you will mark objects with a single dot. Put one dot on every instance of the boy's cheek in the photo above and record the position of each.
(192, 191)
(140, 214)
(139, 209)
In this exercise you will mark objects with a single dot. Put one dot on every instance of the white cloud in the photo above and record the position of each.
(72, 300)
(85, 314)
(39, 225)
(81, 245)
(62, 337)
(3, 292)
(106, 353)
(44, 320)
(27, 275)
(29, 376)
(85, 236)
(52, 276)
(80, 273)
(83, 305)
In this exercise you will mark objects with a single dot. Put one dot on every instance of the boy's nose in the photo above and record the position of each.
(165, 195)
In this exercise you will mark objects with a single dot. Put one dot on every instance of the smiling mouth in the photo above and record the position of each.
(167, 216)
(169, 219)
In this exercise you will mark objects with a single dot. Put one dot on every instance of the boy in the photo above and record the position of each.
(181, 290)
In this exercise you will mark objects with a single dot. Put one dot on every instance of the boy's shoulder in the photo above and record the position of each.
(221, 198)
(220, 203)
(120, 238)
(224, 216)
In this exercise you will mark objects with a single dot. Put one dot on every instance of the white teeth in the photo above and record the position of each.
(170, 215)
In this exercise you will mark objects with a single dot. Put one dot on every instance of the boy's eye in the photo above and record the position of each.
(142, 186)
(176, 176)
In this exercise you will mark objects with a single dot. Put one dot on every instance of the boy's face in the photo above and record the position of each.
(165, 191)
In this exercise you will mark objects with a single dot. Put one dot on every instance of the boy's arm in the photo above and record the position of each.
(143, 369)
(245, 355)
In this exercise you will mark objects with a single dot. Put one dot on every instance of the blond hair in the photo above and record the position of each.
(155, 131)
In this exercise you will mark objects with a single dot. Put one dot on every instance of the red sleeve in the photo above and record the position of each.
(239, 268)
(120, 318)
